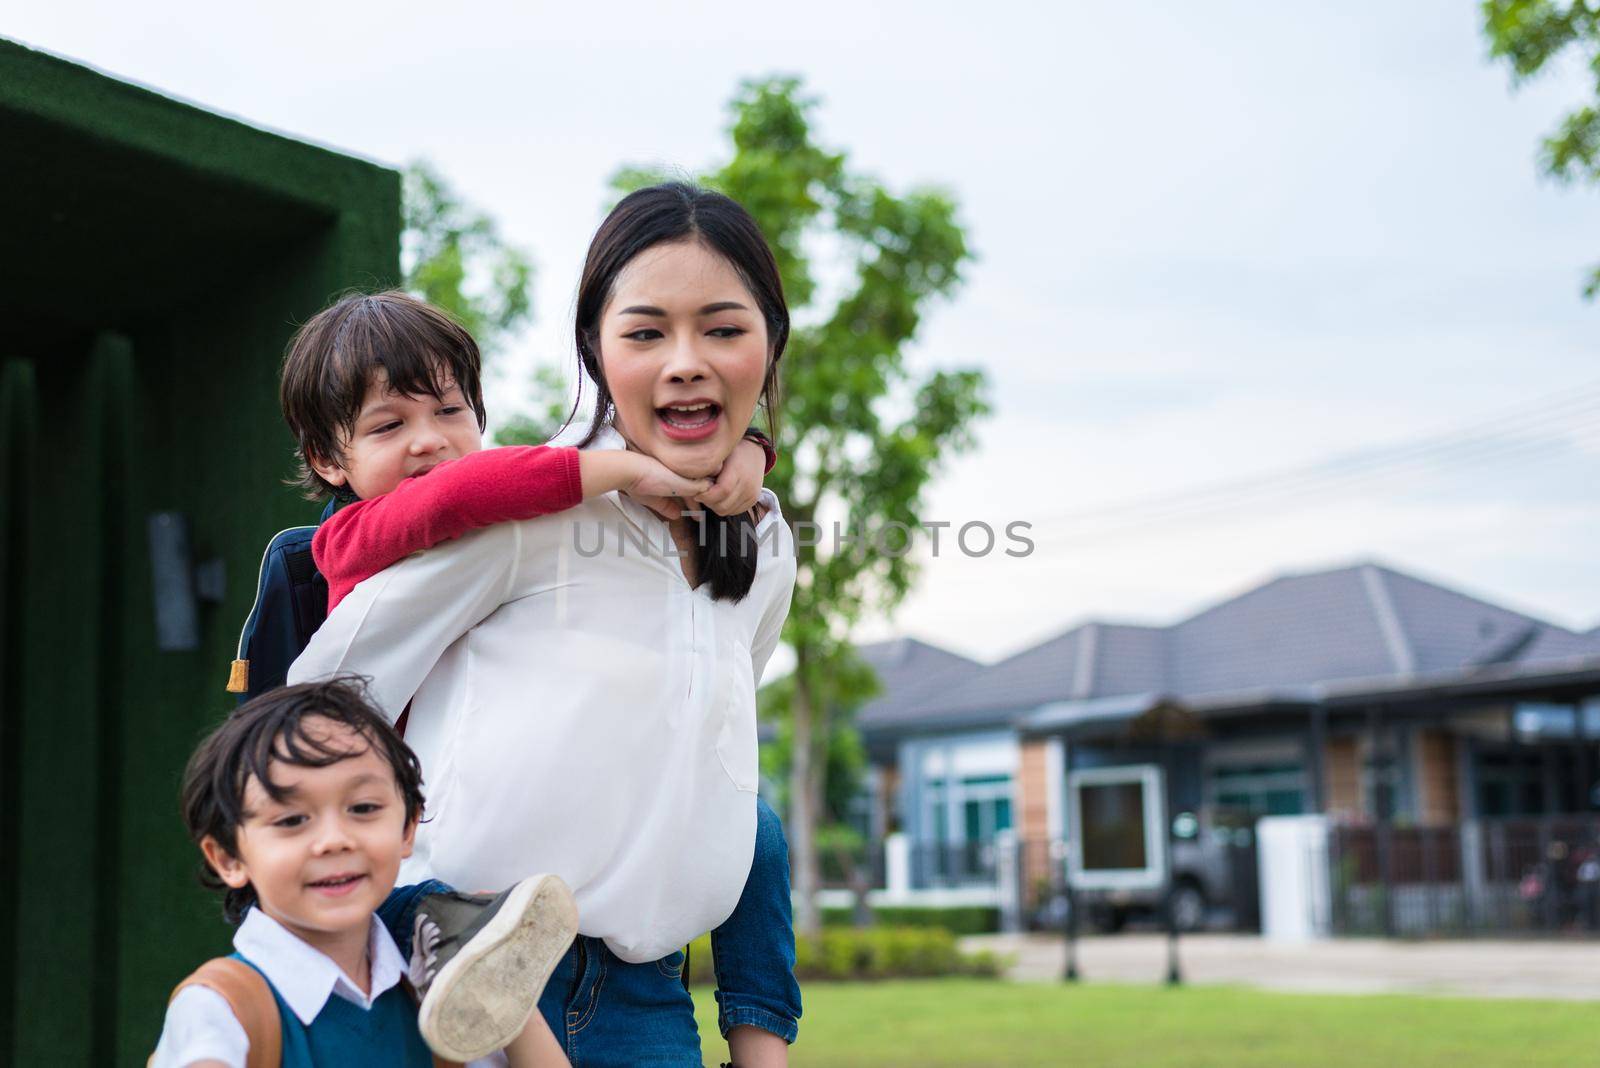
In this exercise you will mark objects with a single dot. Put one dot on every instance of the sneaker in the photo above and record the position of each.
(480, 961)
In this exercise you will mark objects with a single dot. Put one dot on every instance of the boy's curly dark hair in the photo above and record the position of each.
(272, 730)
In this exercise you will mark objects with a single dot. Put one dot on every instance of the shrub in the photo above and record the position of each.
(957, 919)
(841, 953)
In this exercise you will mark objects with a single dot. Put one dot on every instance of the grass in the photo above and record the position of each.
(941, 1022)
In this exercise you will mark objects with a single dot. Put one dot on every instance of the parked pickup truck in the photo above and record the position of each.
(1213, 880)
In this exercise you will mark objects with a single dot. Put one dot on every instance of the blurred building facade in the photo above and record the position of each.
(1451, 742)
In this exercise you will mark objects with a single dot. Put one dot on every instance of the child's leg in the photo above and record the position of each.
(399, 910)
(483, 959)
(480, 962)
(536, 1047)
(753, 951)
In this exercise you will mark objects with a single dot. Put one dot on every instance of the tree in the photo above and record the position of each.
(1528, 35)
(860, 436)
(453, 257)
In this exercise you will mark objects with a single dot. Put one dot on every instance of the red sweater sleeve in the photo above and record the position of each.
(479, 490)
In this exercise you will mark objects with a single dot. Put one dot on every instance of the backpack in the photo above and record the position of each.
(250, 999)
(291, 603)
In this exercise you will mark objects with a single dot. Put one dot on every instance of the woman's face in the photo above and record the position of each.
(683, 347)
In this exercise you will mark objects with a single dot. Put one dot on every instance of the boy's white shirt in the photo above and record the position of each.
(200, 1026)
(576, 711)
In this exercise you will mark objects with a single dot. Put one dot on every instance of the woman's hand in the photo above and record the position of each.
(737, 486)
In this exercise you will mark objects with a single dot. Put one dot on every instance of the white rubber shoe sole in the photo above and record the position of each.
(484, 996)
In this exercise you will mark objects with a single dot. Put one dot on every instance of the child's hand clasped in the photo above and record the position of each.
(737, 486)
(659, 488)
(735, 489)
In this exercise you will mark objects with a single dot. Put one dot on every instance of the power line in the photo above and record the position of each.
(1527, 430)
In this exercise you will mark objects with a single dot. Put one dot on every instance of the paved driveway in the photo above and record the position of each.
(1556, 969)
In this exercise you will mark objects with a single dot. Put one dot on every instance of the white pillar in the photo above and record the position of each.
(897, 867)
(1008, 883)
(1292, 852)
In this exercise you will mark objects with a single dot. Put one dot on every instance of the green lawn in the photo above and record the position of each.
(975, 1022)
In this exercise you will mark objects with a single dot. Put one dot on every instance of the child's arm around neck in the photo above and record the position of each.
(479, 490)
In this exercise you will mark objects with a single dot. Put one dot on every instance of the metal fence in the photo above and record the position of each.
(1509, 877)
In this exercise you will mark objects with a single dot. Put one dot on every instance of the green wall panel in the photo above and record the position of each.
(176, 251)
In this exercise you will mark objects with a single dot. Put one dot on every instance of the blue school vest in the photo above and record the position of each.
(344, 1034)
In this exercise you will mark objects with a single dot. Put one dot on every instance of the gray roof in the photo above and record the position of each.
(912, 674)
(1365, 621)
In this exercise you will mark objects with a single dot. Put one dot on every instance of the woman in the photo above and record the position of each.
(582, 686)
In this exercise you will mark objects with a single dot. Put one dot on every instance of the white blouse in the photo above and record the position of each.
(578, 708)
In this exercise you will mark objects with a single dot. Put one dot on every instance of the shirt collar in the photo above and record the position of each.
(304, 976)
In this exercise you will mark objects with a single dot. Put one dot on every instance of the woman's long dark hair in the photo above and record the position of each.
(726, 546)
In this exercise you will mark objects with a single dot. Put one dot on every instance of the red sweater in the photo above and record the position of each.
(479, 490)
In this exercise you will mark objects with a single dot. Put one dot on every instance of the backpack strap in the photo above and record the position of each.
(248, 995)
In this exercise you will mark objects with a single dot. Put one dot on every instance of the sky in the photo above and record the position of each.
(1216, 244)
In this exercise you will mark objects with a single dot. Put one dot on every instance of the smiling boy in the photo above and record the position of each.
(303, 804)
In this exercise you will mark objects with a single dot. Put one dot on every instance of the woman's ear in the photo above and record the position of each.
(229, 868)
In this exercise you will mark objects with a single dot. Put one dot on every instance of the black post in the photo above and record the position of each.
(1580, 734)
(1071, 974)
(1316, 759)
(1174, 975)
(1550, 789)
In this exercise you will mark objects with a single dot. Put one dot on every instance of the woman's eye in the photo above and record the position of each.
(726, 331)
(648, 333)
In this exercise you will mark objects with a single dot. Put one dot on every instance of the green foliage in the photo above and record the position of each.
(860, 435)
(550, 412)
(840, 847)
(1529, 35)
(846, 756)
(843, 953)
(957, 919)
(453, 257)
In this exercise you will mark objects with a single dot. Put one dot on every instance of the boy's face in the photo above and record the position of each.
(323, 859)
(397, 437)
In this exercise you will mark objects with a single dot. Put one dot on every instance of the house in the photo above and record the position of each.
(1362, 692)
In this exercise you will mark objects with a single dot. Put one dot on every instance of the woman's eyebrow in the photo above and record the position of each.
(709, 309)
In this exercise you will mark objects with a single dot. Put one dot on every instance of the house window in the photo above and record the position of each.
(1266, 789)
(982, 808)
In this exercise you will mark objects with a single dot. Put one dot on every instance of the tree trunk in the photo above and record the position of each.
(803, 806)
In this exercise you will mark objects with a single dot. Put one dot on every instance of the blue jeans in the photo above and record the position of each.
(605, 1010)
(753, 950)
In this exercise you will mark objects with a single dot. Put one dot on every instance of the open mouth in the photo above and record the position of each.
(687, 422)
(337, 884)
